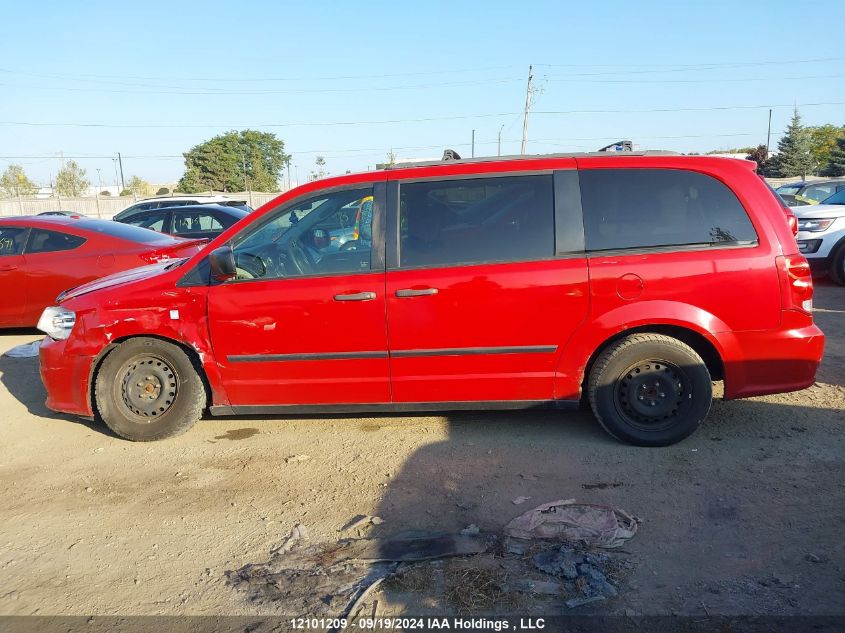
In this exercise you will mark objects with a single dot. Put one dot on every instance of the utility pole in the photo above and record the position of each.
(246, 182)
(528, 91)
(473, 144)
(99, 191)
(120, 162)
(769, 133)
(499, 144)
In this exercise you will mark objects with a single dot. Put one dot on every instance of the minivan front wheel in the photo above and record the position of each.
(148, 389)
(650, 390)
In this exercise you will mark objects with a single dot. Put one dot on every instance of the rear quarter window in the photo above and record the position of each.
(644, 208)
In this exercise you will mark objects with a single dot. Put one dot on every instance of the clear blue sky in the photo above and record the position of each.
(229, 65)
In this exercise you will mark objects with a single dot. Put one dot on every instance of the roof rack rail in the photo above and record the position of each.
(487, 159)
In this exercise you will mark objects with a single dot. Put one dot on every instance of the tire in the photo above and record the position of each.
(837, 265)
(148, 389)
(650, 390)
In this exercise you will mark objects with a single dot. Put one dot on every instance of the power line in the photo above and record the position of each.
(627, 68)
(416, 120)
(234, 93)
(385, 149)
(693, 81)
(689, 67)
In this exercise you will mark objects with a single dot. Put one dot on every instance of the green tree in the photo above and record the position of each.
(759, 155)
(794, 157)
(139, 187)
(14, 182)
(71, 180)
(162, 191)
(319, 170)
(836, 163)
(233, 161)
(823, 140)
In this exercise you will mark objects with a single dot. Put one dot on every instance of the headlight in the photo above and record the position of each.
(57, 322)
(815, 225)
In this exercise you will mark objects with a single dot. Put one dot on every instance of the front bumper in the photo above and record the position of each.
(775, 361)
(66, 377)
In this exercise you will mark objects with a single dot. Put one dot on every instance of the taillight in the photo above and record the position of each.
(156, 257)
(792, 221)
(796, 283)
(178, 250)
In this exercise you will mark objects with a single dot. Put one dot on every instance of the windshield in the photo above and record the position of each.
(837, 198)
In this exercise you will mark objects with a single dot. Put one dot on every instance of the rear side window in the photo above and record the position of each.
(43, 241)
(642, 208)
(154, 220)
(11, 240)
(476, 220)
(194, 222)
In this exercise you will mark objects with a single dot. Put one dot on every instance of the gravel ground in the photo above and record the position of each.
(745, 517)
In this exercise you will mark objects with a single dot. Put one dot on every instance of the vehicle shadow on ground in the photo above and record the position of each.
(20, 377)
(722, 512)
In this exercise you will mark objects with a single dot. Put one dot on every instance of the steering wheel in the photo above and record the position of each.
(250, 266)
(299, 258)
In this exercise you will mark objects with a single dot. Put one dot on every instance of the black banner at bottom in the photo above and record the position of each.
(474, 624)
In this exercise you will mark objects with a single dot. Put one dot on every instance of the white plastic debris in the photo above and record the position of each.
(27, 350)
(565, 520)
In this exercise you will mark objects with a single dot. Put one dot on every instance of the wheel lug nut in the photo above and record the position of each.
(639, 398)
(662, 395)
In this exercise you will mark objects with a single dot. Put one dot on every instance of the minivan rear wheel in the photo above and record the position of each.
(148, 389)
(650, 390)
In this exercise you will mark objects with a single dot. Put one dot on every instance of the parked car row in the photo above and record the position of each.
(42, 256)
(821, 237)
(57, 250)
(797, 194)
(631, 281)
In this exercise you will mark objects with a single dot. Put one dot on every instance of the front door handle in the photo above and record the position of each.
(4, 267)
(358, 296)
(416, 292)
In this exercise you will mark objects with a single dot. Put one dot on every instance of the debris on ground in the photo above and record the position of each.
(583, 569)
(520, 500)
(543, 587)
(294, 459)
(297, 534)
(577, 602)
(27, 350)
(465, 570)
(361, 521)
(566, 520)
(331, 579)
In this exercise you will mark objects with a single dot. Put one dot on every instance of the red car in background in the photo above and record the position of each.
(40, 257)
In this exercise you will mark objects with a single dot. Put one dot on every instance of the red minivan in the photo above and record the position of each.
(633, 281)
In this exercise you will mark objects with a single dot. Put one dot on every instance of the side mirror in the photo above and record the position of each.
(222, 263)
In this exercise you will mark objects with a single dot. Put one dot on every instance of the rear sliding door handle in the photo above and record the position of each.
(416, 292)
(5, 267)
(358, 296)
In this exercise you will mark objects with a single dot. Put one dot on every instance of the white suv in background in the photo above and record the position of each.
(821, 235)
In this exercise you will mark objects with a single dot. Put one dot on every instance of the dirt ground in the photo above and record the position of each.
(745, 517)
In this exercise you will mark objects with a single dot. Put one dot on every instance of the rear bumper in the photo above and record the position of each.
(66, 378)
(774, 361)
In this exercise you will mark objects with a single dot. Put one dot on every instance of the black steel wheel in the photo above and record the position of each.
(148, 389)
(650, 389)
